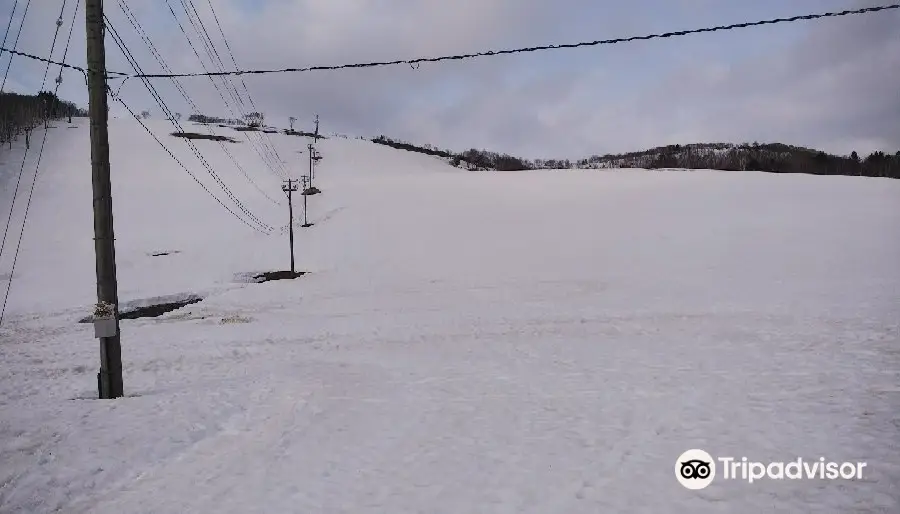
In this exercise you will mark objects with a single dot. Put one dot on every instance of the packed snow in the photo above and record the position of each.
(529, 342)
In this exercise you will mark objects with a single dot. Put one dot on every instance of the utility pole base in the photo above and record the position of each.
(103, 385)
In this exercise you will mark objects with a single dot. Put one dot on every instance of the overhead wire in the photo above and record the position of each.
(27, 147)
(170, 115)
(118, 98)
(489, 53)
(12, 14)
(216, 59)
(278, 163)
(237, 68)
(263, 134)
(12, 53)
(132, 19)
(494, 53)
(37, 165)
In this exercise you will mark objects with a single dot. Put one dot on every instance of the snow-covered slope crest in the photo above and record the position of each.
(172, 236)
(533, 342)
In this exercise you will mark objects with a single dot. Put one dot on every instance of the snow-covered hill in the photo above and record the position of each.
(464, 342)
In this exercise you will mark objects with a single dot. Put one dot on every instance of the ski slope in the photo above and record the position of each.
(530, 342)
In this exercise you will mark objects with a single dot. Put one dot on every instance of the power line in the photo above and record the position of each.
(167, 112)
(25, 155)
(231, 53)
(165, 108)
(129, 15)
(59, 23)
(203, 65)
(236, 67)
(37, 166)
(543, 47)
(185, 168)
(12, 52)
(58, 63)
(489, 53)
(9, 24)
(269, 145)
(228, 47)
(207, 41)
(68, 40)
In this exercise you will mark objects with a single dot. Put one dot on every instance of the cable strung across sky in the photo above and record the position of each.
(488, 53)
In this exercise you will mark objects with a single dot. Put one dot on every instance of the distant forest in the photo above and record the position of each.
(20, 114)
(773, 158)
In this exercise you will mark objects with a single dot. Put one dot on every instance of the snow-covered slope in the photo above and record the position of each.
(465, 342)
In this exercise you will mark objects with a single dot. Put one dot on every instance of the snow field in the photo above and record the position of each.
(495, 342)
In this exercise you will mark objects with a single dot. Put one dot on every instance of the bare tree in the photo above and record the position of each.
(255, 119)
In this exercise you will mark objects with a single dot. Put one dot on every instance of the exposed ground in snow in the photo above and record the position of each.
(465, 342)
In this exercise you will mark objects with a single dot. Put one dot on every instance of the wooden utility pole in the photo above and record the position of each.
(305, 185)
(316, 158)
(289, 187)
(110, 376)
(317, 128)
(312, 152)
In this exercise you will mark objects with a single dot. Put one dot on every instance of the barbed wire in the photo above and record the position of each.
(489, 53)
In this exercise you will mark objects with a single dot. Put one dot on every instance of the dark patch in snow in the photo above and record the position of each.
(309, 191)
(258, 277)
(164, 252)
(303, 134)
(246, 129)
(152, 307)
(269, 276)
(212, 137)
(307, 225)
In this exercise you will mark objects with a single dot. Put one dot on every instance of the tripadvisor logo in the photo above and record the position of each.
(696, 469)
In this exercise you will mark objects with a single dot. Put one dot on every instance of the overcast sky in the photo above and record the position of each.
(831, 84)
